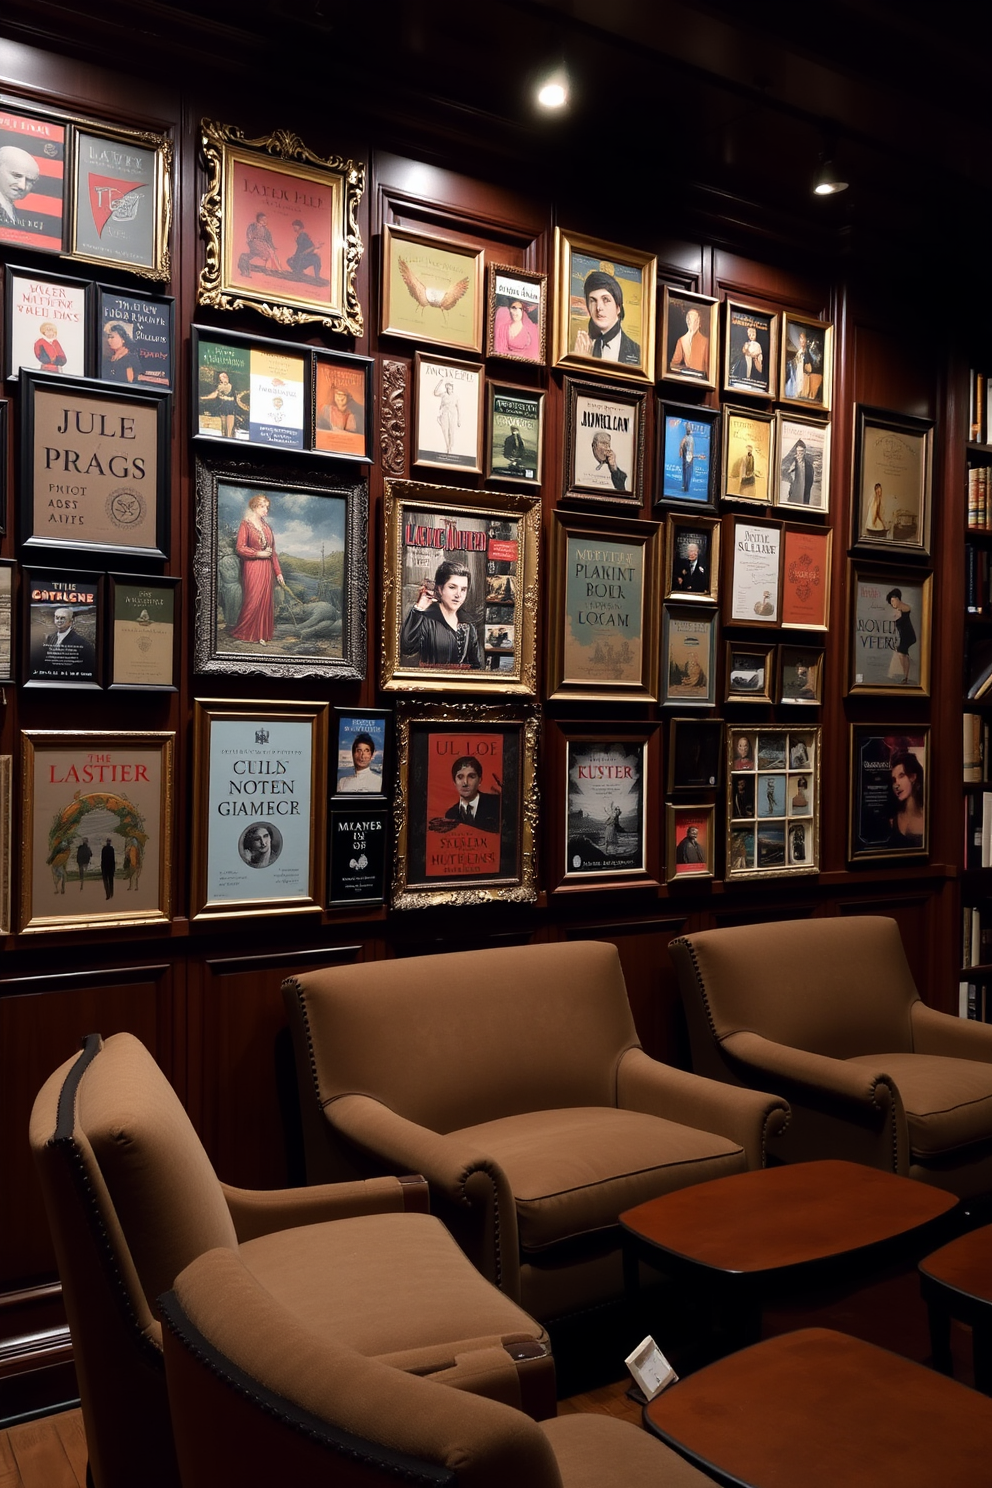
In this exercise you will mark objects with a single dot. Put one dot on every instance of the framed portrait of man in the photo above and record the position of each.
(604, 442)
(750, 350)
(688, 440)
(690, 842)
(806, 374)
(604, 308)
(362, 750)
(692, 562)
(63, 628)
(802, 465)
(748, 456)
(32, 179)
(689, 338)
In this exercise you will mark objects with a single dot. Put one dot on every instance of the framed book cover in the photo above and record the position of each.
(358, 841)
(361, 758)
(47, 323)
(134, 340)
(600, 828)
(144, 632)
(890, 794)
(63, 628)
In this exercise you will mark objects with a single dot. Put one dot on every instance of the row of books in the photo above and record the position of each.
(981, 414)
(979, 499)
(976, 934)
(975, 1001)
(978, 829)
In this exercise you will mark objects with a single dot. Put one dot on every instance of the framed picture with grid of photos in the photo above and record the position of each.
(773, 801)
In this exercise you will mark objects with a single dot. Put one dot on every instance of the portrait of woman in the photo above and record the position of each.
(260, 845)
(226, 399)
(905, 635)
(120, 361)
(743, 753)
(341, 413)
(433, 629)
(514, 332)
(260, 573)
(908, 815)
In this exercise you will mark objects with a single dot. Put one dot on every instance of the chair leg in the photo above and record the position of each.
(940, 1339)
(981, 1343)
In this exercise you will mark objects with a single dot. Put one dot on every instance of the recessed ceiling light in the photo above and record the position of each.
(552, 91)
(828, 181)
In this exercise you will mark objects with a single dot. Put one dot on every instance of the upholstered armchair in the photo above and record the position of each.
(514, 1081)
(826, 1012)
(132, 1199)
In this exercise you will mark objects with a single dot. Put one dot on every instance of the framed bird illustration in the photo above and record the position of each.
(432, 289)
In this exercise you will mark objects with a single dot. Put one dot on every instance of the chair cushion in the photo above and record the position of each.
(948, 1102)
(573, 1171)
(592, 1450)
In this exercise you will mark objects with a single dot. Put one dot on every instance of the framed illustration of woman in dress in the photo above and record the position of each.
(517, 313)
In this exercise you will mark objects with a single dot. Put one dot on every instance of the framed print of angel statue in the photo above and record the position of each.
(432, 289)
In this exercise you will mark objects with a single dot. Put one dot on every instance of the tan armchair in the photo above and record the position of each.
(132, 1199)
(513, 1080)
(826, 1012)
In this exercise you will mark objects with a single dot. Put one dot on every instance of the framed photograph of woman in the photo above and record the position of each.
(690, 838)
(448, 403)
(47, 323)
(688, 456)
(688, 657)
(362, 751)
(604, 308)
(802, 464)
(773, 801)
(890, 799)
(689, 338)
(692, 558)
(517, 314)
(515, 446)
(750, 673)
(599, 834)
(695, 754)
(750, 350)
(604, 442)
(893, 476)
(747, 456)
(806, 570)
(889, 634)
(460, 586)
(134, 337)
(432, 289)
(801, 675)
(807, 367)
(754, 592)
(281, 571)
(466, 804)
(34, 200)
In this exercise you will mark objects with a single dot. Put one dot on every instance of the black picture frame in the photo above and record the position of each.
(149, 323)
(348, 725)
(142, 629)
(60, 298)
(44, 592)
(358, 841)
(702, 467)
(8, 628)
(593, 411)
(695, 754)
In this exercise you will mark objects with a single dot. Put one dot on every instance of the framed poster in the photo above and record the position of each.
(516, 314)
(801, 675)
(466, 804)
(604, 608)
(773, 801)
(893, 476)
(432, 289)
(250, 391)
(6, 839)
(515, 448)
(281, 229)
(63, 628)
(750, 673)
(807, 370)
(604, 442)
(4, 447)
(97, 830)
(359, 762)
(258, 807)
(689, 344)
(144, 631)
(688, 455)
(754, 591)
(688, 656)
(460, 586)
(889, 635)
(343, 411)
(33, 189)
(750, 350)
(690, 847)
(604, 307)
(120, 199)
(449, 414)
(8, 569)
(806, 577)
(802, 464)
(695, 754)
(134, 337)
(94, 466)
(692, 558)
(357, 841)
(47, 323)
(601, 833)
(281, 570)
(890, 803)
(747, 456)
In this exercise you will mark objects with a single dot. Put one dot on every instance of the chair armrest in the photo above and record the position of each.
(816, 1075)
(257, 1211)
(955, 1038)
(512, 1368)
(749, 1117)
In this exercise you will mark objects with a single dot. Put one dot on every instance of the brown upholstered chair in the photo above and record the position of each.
(132, 1199)
(826, 1012)
(259, 1398)
(514, 1081)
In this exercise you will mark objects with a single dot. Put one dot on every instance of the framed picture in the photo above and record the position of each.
(281, 229)
(802, 464)
(889, 638)
(134, 337)
(63, 628)
(466, 804)
(688, 656)
(800, 678)
(94, 466)
(250, 391)
(604, 307)
(460, 586)
(688, 455)
(432, 289)
(747, 456)
(449, 414)
(515, 449)
(750, 350)
(342, 414)
(120, 199)
(692, 562)
(4, 447)
(281, 570)
(97, 830)
(755, 586)
(604, 442)
(750, 672)
(807, 369)
(695, 754)
(773, 801)
(690, 841)
(358, 843)
(604, 608)
(689, 338)
(258, 807)
(47, 323)
(516, 314)
(806, 571)
(33, 211)
(144, 632)
(893, 476)
(359, 763)
(890, 802)
(601, 836)
(8, 569)
(6, 839)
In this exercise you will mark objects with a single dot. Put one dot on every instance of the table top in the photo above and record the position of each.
(772, 1218)
(965, 1265)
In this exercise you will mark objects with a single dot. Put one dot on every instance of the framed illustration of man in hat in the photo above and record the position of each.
(605, 308)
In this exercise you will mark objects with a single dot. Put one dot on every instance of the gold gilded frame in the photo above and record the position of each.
(797, 764)
(566, 244)
(161, 147)
(223, 147)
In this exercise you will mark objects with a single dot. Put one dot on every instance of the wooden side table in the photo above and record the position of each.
(956, 1282)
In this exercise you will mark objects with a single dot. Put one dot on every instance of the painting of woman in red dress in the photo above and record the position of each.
(260, 572)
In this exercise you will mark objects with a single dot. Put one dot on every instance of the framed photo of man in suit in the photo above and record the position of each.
(692, 549)
(604, 308)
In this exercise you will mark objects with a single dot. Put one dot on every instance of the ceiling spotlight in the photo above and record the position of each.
(552, 91)
(828, 181)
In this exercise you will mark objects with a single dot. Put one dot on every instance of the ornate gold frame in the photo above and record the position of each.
(161, 147)
(567, 243)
